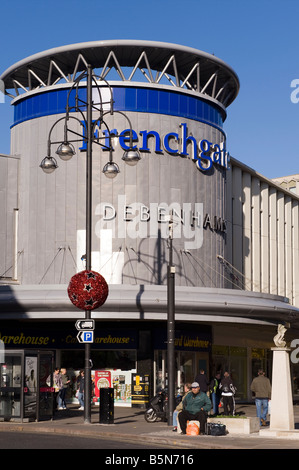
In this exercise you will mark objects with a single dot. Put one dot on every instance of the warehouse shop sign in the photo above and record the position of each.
(204, 153)
(24, 339)
(185, 340)
(13, 338)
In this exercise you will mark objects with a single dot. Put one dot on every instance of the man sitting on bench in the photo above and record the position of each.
(196, 405)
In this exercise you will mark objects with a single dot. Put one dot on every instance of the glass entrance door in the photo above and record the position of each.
(45, 405)
(26, 381)
(10, 386)
(38, 387)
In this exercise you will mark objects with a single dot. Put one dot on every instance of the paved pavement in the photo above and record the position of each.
(130, 426)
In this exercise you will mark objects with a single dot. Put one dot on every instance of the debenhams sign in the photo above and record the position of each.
(186, 221)
(204, 153)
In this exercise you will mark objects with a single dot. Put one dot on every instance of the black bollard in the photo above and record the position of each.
(106, 406)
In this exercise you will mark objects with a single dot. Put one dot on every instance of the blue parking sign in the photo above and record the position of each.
(88, 336)
(85, 336)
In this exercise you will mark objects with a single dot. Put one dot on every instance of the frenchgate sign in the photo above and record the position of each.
(204, 153)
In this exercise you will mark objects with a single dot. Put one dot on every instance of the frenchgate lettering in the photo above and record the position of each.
(203, 152)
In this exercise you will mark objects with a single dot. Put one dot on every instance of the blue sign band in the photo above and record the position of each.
(145, 100)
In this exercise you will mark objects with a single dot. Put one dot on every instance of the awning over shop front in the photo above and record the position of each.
(148, 302)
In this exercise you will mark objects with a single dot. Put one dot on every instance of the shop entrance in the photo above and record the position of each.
(26, 391)
(187, 366)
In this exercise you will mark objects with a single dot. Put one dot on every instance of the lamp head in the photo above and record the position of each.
(131, 157)
(48, 164)
(110, 170)
(65, 151)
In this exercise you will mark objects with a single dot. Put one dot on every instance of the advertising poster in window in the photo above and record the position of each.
(119, 380)
(122, 387)
(102, 379)
(30, 386)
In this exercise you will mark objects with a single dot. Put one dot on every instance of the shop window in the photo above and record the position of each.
(233, 360)
(220, 355)
(258, 361)
(238, 370)
(160, 358)
(124, 360)
(295, 379)
(187, 366)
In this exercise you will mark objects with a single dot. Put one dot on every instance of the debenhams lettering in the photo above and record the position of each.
(137, 220)
(203, 152)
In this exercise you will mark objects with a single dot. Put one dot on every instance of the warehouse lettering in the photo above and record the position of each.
(188, 342)
(204, 153)
(24, 339)
(112, 340)
(103, 339)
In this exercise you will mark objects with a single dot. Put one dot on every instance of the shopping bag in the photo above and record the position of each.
(192, 428)
(215, 429)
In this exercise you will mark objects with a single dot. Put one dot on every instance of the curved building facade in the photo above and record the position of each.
(172, 125)
(176, 99)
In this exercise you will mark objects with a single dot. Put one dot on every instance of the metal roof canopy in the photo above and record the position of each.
(149, 302)
(191, 68)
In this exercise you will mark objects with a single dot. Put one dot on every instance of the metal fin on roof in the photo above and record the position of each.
(154, 62)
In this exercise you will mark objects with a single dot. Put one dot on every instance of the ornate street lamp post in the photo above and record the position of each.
(66, 151)
(171, 326)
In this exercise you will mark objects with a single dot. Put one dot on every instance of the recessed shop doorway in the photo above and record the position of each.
(26, 391)
(187, 364)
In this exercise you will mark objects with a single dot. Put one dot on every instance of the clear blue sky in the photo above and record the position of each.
(258, 38)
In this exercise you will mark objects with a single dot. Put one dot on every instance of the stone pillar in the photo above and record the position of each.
(282, 412)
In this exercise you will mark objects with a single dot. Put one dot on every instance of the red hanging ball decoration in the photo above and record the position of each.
(88, 290)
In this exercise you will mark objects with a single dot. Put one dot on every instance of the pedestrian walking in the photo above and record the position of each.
(55, 383)
(202, 380)
(215, 392)
(80, 385)
(261, 389)
(228, 391)
(62, 392)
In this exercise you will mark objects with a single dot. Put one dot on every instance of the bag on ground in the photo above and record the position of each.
(192, 428)
(216, 429)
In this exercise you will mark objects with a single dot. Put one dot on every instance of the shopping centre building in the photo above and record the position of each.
(235, 233)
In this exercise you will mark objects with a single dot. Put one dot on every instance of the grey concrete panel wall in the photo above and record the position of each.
(265, 228)
(295, 251)
(266, 218)
(9, 174)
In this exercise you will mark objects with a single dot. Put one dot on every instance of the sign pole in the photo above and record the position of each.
(87, 372)
(87, 380)
(171, 327)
